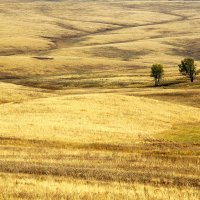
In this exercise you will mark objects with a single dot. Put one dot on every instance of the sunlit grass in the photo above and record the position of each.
(186, 133)
(79, 116)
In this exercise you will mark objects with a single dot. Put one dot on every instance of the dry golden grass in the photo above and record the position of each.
(36, 187)
(91, 117)
(150, 170)
(131, 33)
(86, 146)
(79, 118)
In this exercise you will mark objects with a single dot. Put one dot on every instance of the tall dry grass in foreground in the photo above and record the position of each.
(78, 116)
(96, 146)
(146, 170)
(25, 187)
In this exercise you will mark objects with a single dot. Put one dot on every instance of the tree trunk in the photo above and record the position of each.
(191, 78)
(156, 82)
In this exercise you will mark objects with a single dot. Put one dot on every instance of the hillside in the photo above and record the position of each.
(80, 117)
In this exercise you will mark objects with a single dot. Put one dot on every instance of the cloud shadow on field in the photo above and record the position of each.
(114, 52)
(186, 48)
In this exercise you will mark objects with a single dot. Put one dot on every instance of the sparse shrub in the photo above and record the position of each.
(157, 72)
(188, 68)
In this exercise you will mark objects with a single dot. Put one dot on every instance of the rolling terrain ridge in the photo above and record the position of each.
(79, 116)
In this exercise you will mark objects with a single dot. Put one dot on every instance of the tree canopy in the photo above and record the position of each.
(157, 72)
(188, 68)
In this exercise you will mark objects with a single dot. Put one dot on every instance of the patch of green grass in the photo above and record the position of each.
(187, 133)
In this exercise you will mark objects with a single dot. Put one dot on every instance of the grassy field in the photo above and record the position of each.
(79, 116)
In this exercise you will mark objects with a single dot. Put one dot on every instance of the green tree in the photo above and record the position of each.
(188, 68)
(157, 72)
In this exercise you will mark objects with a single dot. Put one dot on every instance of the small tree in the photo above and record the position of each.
(188, 68)
(157, 73)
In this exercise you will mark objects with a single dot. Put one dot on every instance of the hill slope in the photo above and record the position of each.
(91, 118)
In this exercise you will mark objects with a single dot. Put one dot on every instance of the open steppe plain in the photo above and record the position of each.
(79, 116)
